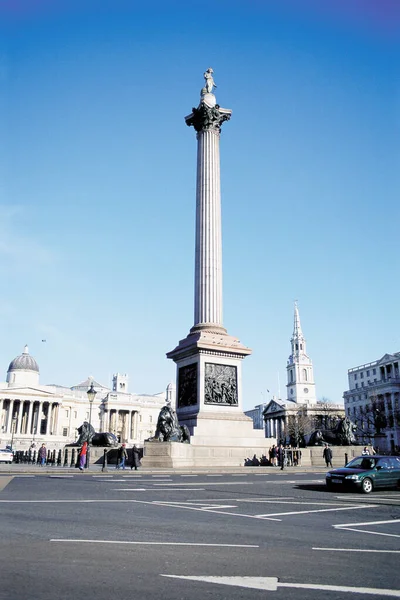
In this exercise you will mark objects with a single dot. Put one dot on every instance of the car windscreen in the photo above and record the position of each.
(362, 462)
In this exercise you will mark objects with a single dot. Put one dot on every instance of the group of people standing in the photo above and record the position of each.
(122, 457)
(278, 456)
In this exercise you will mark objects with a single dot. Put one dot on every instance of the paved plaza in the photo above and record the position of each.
(249, 534)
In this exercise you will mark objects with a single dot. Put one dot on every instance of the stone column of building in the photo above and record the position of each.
(23, 416)
(13, 407)
(18, 414)
(29, 423)
(132, 424)
(48, 418)
(54, 419)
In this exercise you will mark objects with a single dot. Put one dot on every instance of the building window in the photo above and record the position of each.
(305, 374)
(75, 415)
(361, 375)
(367, 373)
(374, 372)
(65, 431)
(355, 376)
(66, 414)
(356, 386)
(362, 384)
(291, 376)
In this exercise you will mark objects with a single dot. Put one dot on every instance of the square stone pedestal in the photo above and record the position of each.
(174, 455)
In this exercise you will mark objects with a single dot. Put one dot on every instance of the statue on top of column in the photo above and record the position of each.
(210, 84)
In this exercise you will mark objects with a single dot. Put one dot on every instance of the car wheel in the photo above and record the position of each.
(366, 486)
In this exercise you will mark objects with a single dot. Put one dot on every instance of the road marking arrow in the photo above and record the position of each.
(271, 584)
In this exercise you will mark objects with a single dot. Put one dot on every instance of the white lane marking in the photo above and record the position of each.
(352, 527)
(367, 531)
(68, 501)
(255, 500)
(217, 512)
(368, 523)
(156, 490)
(301, 503)
(305, 512)
(154, 543)
(376, 497)
(213, 475)
(271, 584)
(60, 476)
(202, 505)
(343, 588)
(189, 475)
(209, 483)
(101, 476)
(21, 476)
(142, 480)
(358, 550)
(263, 500)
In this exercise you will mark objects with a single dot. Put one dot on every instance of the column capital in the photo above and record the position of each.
(208, 118)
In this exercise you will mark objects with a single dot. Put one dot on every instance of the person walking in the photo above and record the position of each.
(327, 454)
(121, 457)
(135, 458)
(281, 456)
(82, 456)
(274, 454)
(42, 455)
(365, 452)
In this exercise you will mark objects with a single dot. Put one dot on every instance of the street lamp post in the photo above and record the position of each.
(91, 393)
(13, 423)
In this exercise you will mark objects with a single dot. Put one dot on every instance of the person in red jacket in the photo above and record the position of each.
(82, 456)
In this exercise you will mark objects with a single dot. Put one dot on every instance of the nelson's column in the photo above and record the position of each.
(209, 382)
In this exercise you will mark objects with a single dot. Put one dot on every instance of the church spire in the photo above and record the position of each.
(298, 342)
(297, 332)
(300, 385)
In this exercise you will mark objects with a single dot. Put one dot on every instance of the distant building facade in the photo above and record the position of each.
(372, 401)
(52, 413)
(294, 419)
(256, 414)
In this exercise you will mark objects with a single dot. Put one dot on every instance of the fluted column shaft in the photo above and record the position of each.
(208, 268)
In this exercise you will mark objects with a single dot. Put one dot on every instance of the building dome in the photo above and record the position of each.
(24, 362)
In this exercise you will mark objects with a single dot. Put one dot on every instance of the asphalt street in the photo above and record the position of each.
(247, 535)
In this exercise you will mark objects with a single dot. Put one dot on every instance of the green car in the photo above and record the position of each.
(366, 473)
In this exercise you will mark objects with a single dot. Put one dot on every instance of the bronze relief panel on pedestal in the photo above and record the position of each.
(220, 385)
(187, 386)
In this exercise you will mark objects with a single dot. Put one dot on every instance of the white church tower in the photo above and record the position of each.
(300, 374)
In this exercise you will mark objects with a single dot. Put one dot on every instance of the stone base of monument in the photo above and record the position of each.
(312, 456)
(175, 455)
(221, 440)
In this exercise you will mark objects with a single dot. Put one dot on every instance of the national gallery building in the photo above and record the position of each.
(30, 412)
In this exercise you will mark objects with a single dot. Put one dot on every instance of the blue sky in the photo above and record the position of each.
(97, 184)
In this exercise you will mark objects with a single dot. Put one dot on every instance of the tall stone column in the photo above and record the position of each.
(207, 121)
(208, 359)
